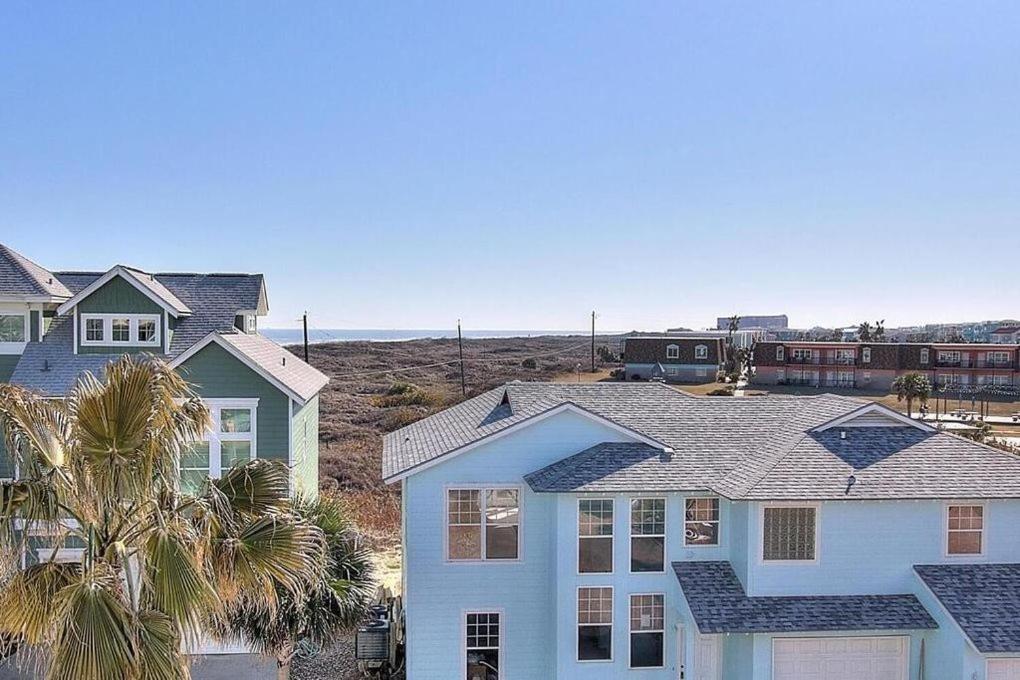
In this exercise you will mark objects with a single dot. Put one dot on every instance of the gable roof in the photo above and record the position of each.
(20, 276)
(145, 283)
(874, 415)
(295, 378)
(719, 605)
(983, 599)
(752, 448)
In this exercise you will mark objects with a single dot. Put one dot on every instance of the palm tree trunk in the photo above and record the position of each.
(283, 659)
(283, 670)
(909, 408)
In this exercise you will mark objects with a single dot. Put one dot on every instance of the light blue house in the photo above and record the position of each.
(632, 531)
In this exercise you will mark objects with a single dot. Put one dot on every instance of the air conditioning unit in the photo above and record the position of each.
(372, 642)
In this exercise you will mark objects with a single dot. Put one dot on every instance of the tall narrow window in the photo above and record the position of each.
(924, 355)
(595, 535)
(788, 534)
(229, 442)
(482, 646)
(648, 535)
(647, 631)
(965, 530)
(866, 355)
(483, 524)
(701, 521)
(780, 353)
(595, 624)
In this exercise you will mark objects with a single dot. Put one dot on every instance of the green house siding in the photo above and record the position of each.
(305, 434)
(113, 297)
(7, 364)
(215, 373)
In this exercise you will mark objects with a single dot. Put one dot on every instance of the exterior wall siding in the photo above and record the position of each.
(117, 295)
(689, 373)
(215, 373)
(305, 445)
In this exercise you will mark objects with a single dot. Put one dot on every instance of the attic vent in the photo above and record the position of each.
(850, 481)
(284, 360)
(46, 366)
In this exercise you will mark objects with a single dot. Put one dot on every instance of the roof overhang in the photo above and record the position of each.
(132, 278)
(565, 407)
(31, 299)
(217, 338)
(875, 407)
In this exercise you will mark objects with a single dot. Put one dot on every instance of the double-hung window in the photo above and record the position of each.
(965, 530)
(482, 645)
(647, 631)
(595, 535)
(701, 352)
(483, 524)
(780, 353)
(595, 624)
(789, 533)
(701, 521)
(672, 351)
(229, 441)
(648, 535)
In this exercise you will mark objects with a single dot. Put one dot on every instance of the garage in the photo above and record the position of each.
(842, 658)
(1004, 669)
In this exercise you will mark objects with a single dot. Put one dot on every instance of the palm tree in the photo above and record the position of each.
(910, 387)
(99, 470)
(334, 603)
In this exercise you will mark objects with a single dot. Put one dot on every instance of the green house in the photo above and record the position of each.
(264, 401)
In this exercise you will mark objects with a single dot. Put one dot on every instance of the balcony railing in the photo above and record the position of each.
(813, 359)
(846, 384)
(840, 361)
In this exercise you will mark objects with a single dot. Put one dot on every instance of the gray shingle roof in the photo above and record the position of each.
(20, 276)
(51, 367)
(719, 605)
(299, 377)
(156, 287)
(611, 467)
(984, 599)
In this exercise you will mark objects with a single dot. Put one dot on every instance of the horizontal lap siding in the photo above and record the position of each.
(119, 296)
(7, 364)
(215, 373)
(305, 436)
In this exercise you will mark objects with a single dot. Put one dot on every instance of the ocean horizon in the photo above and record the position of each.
(292, 336)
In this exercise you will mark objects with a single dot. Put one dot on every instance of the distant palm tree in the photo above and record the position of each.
(99, 470)
(329, 605)
(910, 387)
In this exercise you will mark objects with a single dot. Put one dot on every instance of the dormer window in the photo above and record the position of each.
(701, 352)
(672, 351)
(113, 330)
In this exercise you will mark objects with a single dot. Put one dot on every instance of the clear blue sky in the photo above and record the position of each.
(399, 165)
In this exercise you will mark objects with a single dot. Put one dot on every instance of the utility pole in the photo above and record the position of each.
(304, 320)
(593, 341)
(460, 346)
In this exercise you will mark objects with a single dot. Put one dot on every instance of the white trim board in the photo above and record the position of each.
(845, 419)
(129, 276)
(240, 356)
(520, 425)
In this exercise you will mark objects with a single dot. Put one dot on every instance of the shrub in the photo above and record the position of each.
(721, 392)
(407, 394)
(529, 363)
(401, 417)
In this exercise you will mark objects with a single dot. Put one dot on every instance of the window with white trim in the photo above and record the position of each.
(965, 529)
(250, 324)
(647, 631)
(110, 330)
(595, 624)
(925, 355)
(483, 524)
(789, 533)
(701, 352)
(481, 645)
(228, 442)
(780, 353)
(701, 521)
(13, 327)
(648, 535)
(866, 355)
(672, 351)
(595, 535)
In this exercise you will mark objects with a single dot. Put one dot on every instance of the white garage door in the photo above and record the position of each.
(840, 658)
(1004, 669)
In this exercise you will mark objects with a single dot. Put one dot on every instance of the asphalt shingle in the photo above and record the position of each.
(719, 605)
(20, 276)
(984, 599)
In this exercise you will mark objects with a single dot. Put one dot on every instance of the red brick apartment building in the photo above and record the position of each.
(874, 365)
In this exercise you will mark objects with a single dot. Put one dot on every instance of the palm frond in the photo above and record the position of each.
(159, 648)
(255, 488)
(26, 601)
(34, 429)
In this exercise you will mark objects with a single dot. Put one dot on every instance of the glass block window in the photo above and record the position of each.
(965, 530)
(595, 624)
(788, 534)
(701, 521)
(647, 631)
(595, 535)
(648, 534)
(483, 524)
(482, 646)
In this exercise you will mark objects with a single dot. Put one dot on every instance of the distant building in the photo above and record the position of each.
(774, 322)
(673, 359)
(1005, 335)
(743, 338)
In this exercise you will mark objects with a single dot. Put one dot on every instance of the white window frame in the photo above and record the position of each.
(701, 352)
(251, 327)
(611, 624)
(631, 535)
(60, 555)
(17, 347)
(500, 656)
(950, 355)
(718, 522)
(672, 351)
(215, 438)
(108, 340)
(803, 353)
(865, 355)
(611, 537)
(925, 357)
(482, 488)
(945, 529)
(789, 504)
(997, 357)
(780, 353)
(631, 632)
